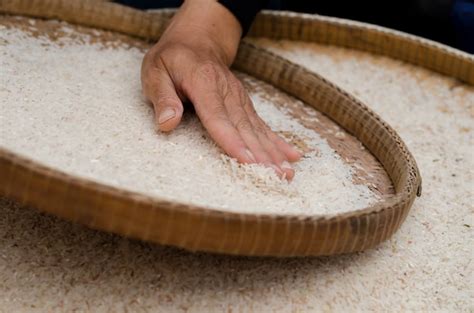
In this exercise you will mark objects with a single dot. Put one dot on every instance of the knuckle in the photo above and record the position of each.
(151, 60)
(243, 124)
(150, 74)
(165, 99)
(238, 90)
(236, 85)
(259, 129)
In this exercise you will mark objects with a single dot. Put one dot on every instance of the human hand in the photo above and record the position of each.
(191, 62)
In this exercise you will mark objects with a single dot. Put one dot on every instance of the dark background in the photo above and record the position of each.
(410, 16)
(448, 21)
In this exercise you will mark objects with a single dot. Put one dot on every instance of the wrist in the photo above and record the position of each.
(208, 25)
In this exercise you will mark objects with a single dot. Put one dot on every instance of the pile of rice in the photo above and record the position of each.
(74, 103)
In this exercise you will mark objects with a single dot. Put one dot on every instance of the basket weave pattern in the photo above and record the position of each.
(198, 228)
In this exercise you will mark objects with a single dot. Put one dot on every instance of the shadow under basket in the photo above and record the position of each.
(197, 228)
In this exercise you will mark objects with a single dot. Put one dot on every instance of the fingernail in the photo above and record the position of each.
(250, 156)
(277, 170)
(289, 171)
(166, 115)
(286, 165)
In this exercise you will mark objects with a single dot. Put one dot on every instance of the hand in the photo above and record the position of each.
(191, 62)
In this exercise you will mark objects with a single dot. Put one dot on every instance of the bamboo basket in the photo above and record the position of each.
(202, 229)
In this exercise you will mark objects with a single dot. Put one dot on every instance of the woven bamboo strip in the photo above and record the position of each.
(198, 228)
(365, 37)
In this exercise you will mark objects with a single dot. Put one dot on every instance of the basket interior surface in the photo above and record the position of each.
(108, 206)
(90, 140)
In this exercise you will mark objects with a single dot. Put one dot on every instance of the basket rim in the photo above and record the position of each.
(151, 199)
(369, 26)
(396, 205)
(18, 159)
(350, 24)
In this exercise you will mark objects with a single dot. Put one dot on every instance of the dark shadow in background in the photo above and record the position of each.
(448, 21)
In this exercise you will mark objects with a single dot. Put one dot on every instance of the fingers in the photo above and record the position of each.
(277, 148)
(289, 150)
(253, 135)
(159, 89)
(227, 113)
(204, 88)
(168, 108)
(209, 107)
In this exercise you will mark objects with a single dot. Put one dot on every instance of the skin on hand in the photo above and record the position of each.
(191, 62)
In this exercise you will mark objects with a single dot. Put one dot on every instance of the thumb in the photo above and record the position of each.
(168, 106)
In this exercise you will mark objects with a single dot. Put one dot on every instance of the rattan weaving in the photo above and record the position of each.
(198, 228)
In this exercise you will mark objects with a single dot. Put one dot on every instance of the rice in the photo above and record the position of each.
(74, 103)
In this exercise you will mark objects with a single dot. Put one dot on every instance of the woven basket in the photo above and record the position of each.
(197, 228)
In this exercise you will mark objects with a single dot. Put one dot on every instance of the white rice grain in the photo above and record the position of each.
(78, 107)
